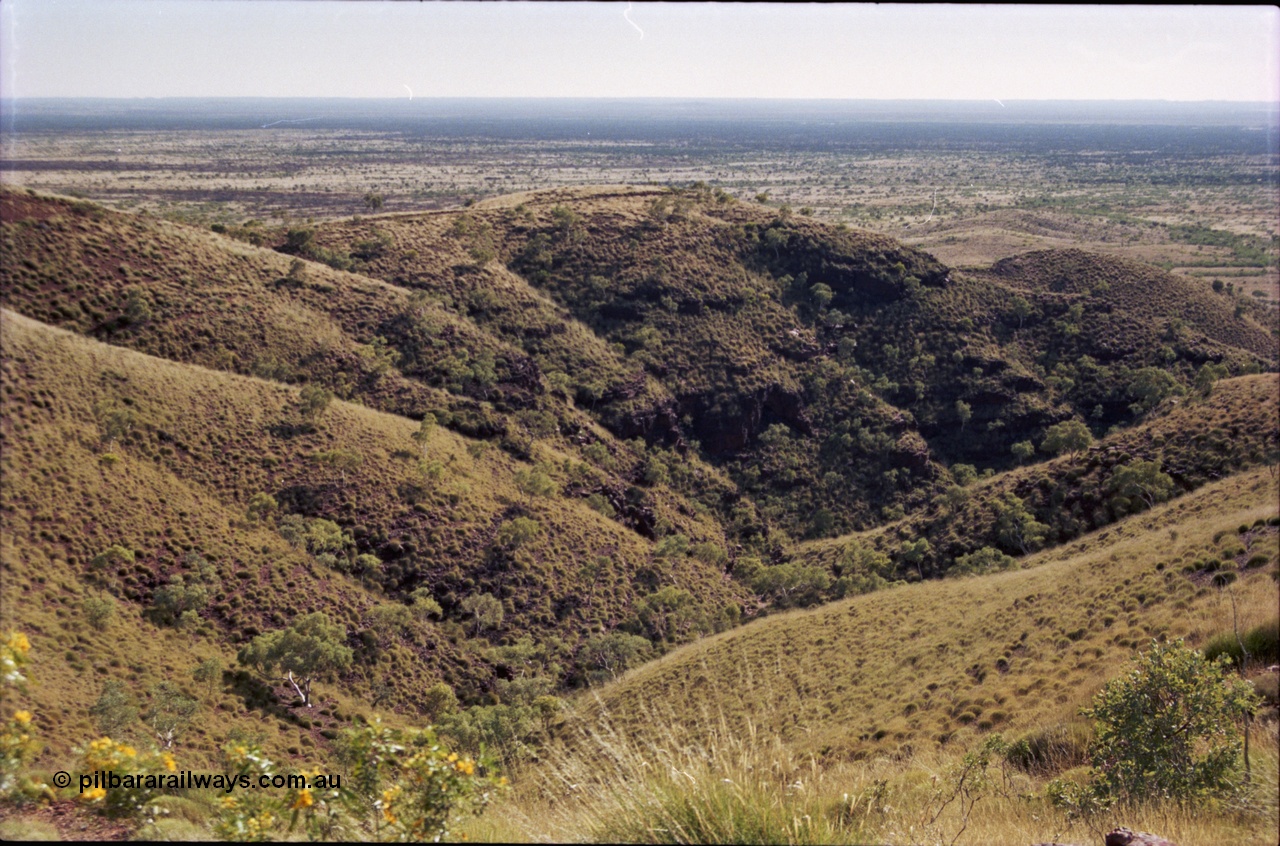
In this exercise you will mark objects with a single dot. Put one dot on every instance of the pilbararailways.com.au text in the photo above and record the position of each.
(226, 782)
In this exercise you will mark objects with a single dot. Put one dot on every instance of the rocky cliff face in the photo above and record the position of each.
(732, 432)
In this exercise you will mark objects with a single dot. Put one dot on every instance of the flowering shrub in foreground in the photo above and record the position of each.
(132, 796)
(17, 742)
(400, 785)
(414, 786)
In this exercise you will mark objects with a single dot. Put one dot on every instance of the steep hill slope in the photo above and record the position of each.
(946, 662)
(831, 374)
(1193, 442)
(809, 360)
(522, 448)
(106, 447)
(200, 298)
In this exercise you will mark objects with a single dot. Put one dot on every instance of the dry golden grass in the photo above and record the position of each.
(939, 663)
(748, 787)
(856, 713)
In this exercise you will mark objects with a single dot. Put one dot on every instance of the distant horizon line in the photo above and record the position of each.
(402, 98)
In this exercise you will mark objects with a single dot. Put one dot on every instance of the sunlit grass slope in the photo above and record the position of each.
(939, 664)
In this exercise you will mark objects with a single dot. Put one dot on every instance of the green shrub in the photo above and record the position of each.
(1167, 729)
(113, 556)
(98, 610)
(985, 560)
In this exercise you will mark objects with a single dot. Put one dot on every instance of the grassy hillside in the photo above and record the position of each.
(1007, 650)
(830, 374)
(199, 298)
(523, 448)
(849, 723)
(175, 491)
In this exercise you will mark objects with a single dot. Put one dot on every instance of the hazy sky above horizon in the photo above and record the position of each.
(297, 48)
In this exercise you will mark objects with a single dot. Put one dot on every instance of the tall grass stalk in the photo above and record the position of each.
(731, 787)
(745, 787)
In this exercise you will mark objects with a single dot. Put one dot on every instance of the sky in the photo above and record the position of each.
(326, 48)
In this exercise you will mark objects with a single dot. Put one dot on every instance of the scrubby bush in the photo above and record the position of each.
(311, 648)
(116, 710)
(113, 556)
(425, 605)
(985, 560)
(516, 533)
(860, 569)
(791, 584)
(1166, 730)
(1139, 482)
(312, 401)
(17, 745)
(486, 610)
(607, 656)
(98, 610)
(176, 598)
(1016, 527)
(1066, 437)
(669, 614)
(262, 508)
(437, 701)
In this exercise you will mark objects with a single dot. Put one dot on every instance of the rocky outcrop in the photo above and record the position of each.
(731, 433)
(912, 451)
(1128, 837)
(658, 423)
(1124, 837)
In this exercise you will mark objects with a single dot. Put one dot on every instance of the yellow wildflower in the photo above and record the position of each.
(18, 643)
(22, 717)
(304, 800)
(388, 797)
(167, 760)
(453, 756)
(129, 750)
(228, 802)
(466, 767)
(94, 794)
